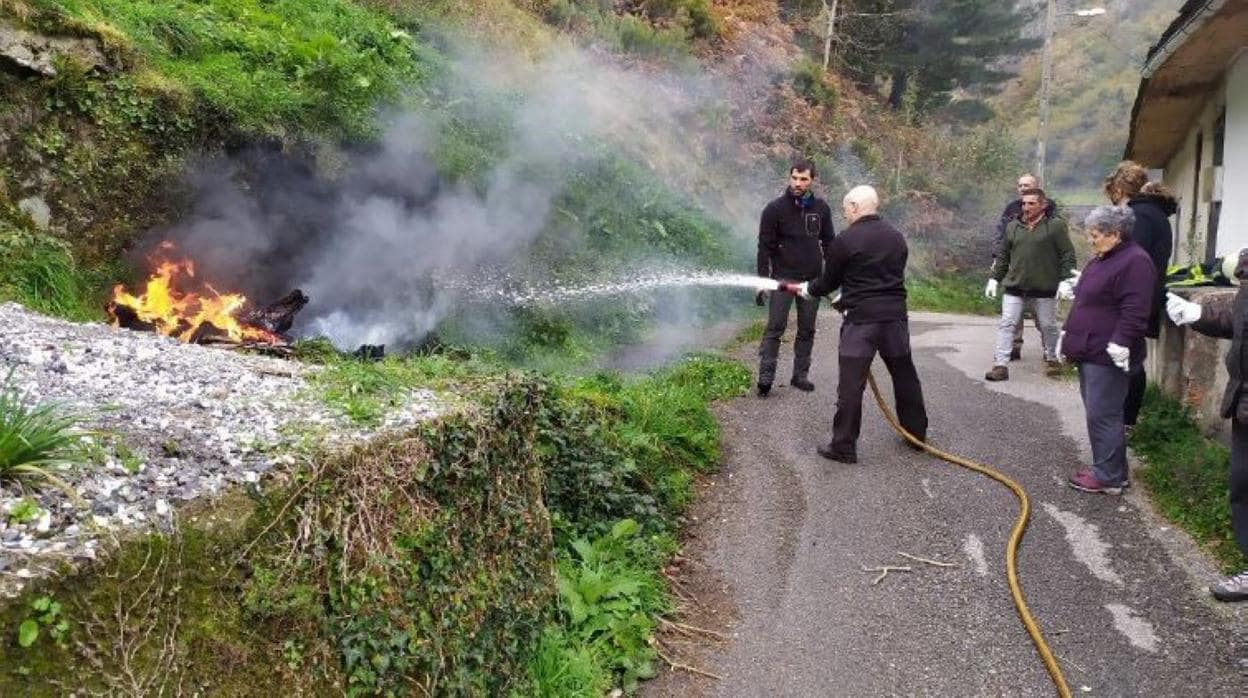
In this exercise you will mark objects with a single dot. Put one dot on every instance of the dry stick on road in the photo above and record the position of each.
(916, 558)
(685, 629)
(884, 570)
(685, 667)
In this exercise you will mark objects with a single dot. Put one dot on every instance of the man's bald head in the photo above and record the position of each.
(861, 201)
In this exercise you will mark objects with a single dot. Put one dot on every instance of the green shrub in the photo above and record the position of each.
(609, 592)
(694, 16)
(35, 437)
(949, 293)
(636, 441)
(810, 82)
(40, 272)
(564, 666)
(270, 67)
(636, 35)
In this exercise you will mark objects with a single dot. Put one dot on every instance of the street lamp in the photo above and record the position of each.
(1046, 76)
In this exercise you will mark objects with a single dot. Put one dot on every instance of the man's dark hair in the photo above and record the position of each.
(803, 165)
(1035, 191)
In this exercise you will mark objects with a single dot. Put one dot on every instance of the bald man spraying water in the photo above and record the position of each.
(867, 261)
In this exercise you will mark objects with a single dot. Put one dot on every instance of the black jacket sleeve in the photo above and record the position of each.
(768, 242)
(1217, 317)
(833, 270)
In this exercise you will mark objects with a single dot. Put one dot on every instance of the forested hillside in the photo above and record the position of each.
(1096, 71)
(656, 124)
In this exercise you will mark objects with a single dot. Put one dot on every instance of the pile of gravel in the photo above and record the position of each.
(177, 422)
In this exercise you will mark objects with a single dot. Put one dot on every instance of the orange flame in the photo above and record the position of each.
(176, 313)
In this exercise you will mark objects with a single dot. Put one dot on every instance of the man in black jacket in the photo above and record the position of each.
(867, 261)
(1218, 318)
(1013, 212)
(793, 237)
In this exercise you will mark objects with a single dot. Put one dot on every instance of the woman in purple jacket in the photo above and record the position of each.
(1104, 336)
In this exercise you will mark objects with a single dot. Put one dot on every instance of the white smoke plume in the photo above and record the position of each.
(385, 248)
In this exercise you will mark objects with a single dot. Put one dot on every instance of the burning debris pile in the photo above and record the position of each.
(176, 304)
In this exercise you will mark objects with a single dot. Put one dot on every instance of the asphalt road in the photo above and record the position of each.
(780, 538)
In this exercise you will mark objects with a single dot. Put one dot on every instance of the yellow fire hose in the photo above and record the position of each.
(1011, 546)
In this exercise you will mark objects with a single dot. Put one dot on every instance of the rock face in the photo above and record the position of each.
(38, 210)
(38, 53)
(177, 422)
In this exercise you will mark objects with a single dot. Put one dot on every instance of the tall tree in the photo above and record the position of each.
(927, 49)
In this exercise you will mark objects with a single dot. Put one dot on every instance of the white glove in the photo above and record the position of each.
(1182, 312)
(1120, 355)
(1066, 289)
(990, 291)
(1061, 358)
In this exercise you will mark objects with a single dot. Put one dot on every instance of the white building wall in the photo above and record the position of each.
(1233, 227)
(1180, 175)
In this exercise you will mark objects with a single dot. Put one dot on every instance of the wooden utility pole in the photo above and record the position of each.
(829, 32)
(1046, 77)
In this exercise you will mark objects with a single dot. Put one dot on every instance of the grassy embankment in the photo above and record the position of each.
(1187, 475)
(513, 547)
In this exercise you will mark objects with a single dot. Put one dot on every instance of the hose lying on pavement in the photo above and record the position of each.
(1011, 546)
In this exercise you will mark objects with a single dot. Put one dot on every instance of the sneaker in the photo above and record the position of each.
(1016, 353)
(827, 452)
(998, 373)
(1085, 481)
(802, 384)
(1052, 368)
(764, 389)
(1232, 588)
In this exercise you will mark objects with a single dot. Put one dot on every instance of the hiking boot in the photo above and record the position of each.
(1232, 588)
(998, 373)
(764, 389)
(802, 384)
(827, 452)
(1053, 368)
(1016, 353)
(1085, 481)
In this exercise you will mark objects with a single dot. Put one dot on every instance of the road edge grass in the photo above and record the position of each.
(1187, 475)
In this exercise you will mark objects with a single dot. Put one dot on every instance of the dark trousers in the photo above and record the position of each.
(777, 320)
(1135, 397)
(1239, 484)
(859, 345)
(1104, 389)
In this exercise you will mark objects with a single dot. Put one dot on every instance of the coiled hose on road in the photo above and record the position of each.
(1011, 546)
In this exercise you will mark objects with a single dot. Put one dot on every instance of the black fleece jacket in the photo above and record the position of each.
(792, 241)
(1152, 232)
(867, 261)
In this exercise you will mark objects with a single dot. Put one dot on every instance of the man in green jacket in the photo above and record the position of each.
(1035, 256)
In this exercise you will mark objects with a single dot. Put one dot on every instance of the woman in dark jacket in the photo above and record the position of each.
(1152, 205)
(1104, 336)
(1218, 318)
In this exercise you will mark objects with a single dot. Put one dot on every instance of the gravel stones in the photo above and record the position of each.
(179, 422)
